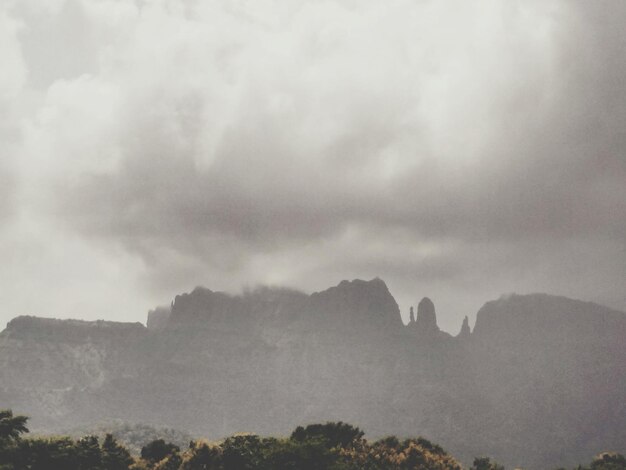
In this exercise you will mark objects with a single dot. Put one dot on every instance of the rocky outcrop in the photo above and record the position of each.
(465, 329)
(546, 361)
(158, 318)
(354, 306)
(426, 320)
(50, 367)
(424, 326)
(546, 319)
(204, 308)
(540, 376)
(54, 330)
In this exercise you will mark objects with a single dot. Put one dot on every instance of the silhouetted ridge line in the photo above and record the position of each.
(518, 387)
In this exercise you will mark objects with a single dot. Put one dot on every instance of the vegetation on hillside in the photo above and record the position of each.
(133, 436)
(330, 446)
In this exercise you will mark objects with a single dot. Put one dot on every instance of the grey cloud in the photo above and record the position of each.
(6, 195)
(337, 159)
(59, 46)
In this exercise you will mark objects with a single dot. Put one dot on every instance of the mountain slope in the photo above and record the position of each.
(540, 380)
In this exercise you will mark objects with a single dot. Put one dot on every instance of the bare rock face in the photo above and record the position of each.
(71, 331)
(355, 306)
(158, 318)
(426, 318)
(465, 329)
(47, 365)
(540, 376)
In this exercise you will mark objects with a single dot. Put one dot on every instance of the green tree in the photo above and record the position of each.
(391, 442)
(241, 452)
(58, 453)
(171, 462)
(88, 453)
(11, 427)
(114, 456)
(157, 450)
(201, 456)
(484, 463)
(291, 454)
(336, 434)
(609, 461)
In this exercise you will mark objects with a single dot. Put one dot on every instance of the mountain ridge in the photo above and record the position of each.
(537, 372)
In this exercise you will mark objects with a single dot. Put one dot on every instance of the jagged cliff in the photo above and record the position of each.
(540, 377)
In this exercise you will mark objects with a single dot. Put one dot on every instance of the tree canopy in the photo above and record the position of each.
(329, 446)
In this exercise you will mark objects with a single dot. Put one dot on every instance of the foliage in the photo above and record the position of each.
(203, 456)
(336, 434)
(158, 450)
(390, 453)
(608, 461)
(115, 456)
(11, 427)
(133, 436)
(330, 446)
(484, 463)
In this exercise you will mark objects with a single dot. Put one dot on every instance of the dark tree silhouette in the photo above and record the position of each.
(335, 434)
(114, 456)
(484, 463)
(11, 427)
(88, 453)
(157, 450)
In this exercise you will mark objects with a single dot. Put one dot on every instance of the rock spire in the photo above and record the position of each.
(426, 317)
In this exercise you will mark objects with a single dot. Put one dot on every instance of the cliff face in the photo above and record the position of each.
(358, 308)
(158, 318)
(83, 353)
(45, 362)
(426, 318)
(539, 378)
(554, 364)
(465, 329)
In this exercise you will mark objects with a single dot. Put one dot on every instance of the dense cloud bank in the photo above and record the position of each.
(458, 150)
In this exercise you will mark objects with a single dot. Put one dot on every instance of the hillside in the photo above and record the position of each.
(538, 383)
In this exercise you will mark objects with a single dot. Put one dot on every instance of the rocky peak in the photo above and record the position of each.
(465, 329)
(52, 329)
(201, 306)
(426, 317)
(158, 318)
(355, 304)
(546, 319)
(204, 308)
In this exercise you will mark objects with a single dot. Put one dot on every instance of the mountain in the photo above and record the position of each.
(539, 382)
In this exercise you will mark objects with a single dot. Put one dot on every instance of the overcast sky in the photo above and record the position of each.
(458, 150)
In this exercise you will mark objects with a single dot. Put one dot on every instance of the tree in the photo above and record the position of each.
(201, 456)
(241, 452)
(171, 462)
(11, 427)
(114, 456)
(157, 450)
(335, 434)
(484, 463)
(88, 453)
(290, 454)
(391, 442)
(609, 461)
(58, 453)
